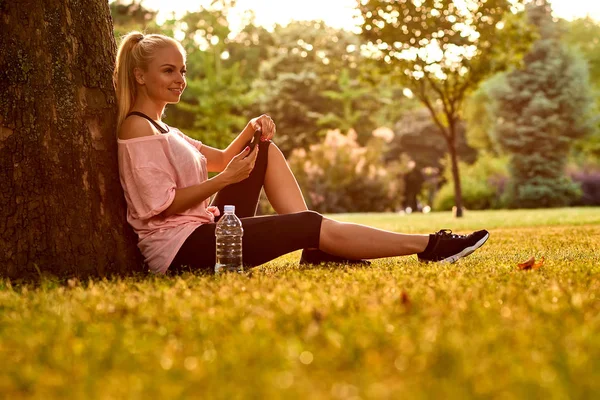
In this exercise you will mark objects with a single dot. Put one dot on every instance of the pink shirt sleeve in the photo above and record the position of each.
(152, 191)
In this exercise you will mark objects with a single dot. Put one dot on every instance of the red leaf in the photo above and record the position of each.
(531, 264)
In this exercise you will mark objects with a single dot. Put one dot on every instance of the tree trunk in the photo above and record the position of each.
(455, 172)
(62, 208)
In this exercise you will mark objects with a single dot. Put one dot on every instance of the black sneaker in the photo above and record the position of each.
(449, 247)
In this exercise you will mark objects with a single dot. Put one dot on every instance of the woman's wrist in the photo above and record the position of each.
(253, 125)
(223, 179)
(249, 131)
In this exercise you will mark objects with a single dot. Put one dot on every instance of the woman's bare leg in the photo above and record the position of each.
(281, 186)
(360, 241)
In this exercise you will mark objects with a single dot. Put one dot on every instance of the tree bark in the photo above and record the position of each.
(62, 208)
(455, 171)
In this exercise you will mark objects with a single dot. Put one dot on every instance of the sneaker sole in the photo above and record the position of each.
(466, 252)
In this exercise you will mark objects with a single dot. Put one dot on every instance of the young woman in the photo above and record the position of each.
(164, 176)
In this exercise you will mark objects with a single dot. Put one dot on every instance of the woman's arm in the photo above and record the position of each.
(217, 160)
(237, 170)
(190, 196)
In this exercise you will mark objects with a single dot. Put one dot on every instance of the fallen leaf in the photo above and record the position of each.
(317, 315)
(538, 264)
(531, 264)
(404, 299)
(527, 264)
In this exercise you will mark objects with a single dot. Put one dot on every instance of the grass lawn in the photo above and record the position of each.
(398, 329)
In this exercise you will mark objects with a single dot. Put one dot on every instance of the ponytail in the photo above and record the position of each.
(135, 51)
(123, 78)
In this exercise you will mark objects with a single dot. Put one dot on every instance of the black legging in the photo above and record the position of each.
(265, 238)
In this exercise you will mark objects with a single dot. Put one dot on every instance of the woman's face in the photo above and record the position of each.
(165, 78)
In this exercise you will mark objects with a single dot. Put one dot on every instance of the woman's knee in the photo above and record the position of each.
(273, 150)
(312, 222)
(310, 215)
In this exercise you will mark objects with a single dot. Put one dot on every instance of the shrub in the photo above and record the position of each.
(588, 178)
(590, 189)
(339, 175)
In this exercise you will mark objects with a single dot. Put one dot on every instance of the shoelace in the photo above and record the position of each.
(448, 233)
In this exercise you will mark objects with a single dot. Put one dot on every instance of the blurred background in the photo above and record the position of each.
(396, 106)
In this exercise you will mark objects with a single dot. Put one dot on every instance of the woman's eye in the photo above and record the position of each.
(183, 72)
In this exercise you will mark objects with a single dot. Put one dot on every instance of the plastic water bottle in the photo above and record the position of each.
(229, 234)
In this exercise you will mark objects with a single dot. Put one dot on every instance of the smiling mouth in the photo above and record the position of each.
(178, 91)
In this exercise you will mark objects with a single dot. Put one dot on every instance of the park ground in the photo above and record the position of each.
(479, 328)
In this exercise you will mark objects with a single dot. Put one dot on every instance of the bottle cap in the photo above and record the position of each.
(230, 209)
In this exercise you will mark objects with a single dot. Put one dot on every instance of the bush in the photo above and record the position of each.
(590, 189)
(339, 175)
(483, 184)
(542, 192)
(588, 178)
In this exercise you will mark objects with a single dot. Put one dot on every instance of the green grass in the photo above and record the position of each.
(477, 328)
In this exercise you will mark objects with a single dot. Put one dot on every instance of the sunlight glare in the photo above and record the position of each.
(335, 13)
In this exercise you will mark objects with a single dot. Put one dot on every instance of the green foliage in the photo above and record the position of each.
(541, 110)
(480, 115)
(347, 96)
(290, 99)
(132, 16)
(483, 184)
(339, 175)
(475, 329)
(583, 35)
(311, 81)
(587, 149)
(216, 101)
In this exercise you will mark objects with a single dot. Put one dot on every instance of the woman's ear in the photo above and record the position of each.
(139, 75)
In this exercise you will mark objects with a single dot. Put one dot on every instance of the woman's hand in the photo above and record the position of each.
(240, 166)
(266, 124)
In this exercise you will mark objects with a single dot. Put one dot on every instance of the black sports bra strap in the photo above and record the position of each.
(139, 114)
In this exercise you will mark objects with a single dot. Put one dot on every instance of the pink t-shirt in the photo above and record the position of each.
(151, 169)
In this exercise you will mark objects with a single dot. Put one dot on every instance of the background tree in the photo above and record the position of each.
(442, 50)
(541, 110)
(62, 209)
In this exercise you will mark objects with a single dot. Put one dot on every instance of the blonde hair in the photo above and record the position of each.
(136, 50)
